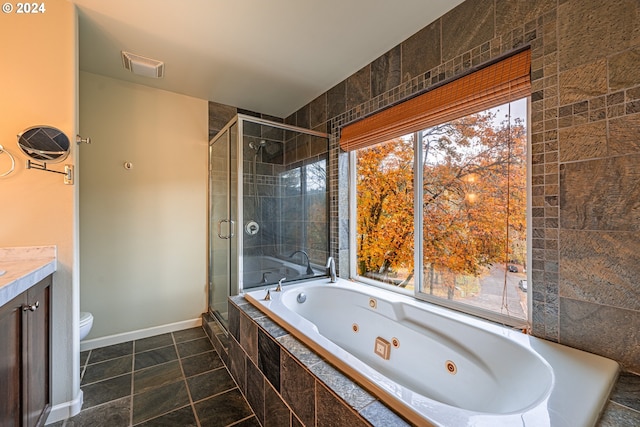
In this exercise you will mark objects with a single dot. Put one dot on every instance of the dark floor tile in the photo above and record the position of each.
(159, 401)
(161, 396)
(249, 422)
(156, 376)
(190, 348)
(109, 369)
(84, 355)
(112, 414)
(179, 418)
(111, 352)
(155, 357)
(189, 334)
(209, 384)
(107, 390)
(223, 409)
(151, 343)
(200, 363)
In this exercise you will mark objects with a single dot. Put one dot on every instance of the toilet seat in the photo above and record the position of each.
(85, 318)
(86, 322)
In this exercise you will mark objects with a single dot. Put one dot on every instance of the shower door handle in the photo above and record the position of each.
(231, 228)
(220, 229)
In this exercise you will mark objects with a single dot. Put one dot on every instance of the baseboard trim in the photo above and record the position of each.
(139, 334)
(65, 410)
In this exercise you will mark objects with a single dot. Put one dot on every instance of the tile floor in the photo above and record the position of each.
(178, 380)
(175, 379)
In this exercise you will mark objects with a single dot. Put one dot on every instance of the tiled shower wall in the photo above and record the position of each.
(290, 217)
(585, 149)
(264, 207)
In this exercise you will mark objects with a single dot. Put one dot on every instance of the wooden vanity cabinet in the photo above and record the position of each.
(10, 362)
(25, 357)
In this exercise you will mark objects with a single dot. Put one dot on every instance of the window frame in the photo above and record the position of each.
(469, 309)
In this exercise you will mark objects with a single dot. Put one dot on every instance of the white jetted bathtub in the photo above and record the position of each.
(439, 367)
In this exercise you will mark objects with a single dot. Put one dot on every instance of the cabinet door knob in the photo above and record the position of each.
(31, 307)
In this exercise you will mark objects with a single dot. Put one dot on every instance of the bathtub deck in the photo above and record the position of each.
(622, 410)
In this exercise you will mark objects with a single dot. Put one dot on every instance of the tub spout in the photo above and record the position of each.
(331, 270)
(309, 269)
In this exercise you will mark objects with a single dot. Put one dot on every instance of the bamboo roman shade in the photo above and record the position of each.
(488, 87)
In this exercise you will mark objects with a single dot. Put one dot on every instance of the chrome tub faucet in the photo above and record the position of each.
(331, 270)
(309, 269)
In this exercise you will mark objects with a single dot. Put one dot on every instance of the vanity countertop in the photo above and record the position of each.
(23, 267)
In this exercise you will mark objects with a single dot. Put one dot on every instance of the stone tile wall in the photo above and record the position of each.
(264, 206)
(585, 148)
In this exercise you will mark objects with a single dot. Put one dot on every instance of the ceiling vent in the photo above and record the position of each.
(142, 66)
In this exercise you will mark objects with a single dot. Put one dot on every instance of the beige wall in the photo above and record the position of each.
(38, 85)
(143, 230)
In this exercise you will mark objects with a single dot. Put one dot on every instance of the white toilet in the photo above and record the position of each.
(86, 322)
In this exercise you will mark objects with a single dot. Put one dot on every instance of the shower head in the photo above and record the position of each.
(257, 146)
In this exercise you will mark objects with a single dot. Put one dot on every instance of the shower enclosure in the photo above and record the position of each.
(268, 207)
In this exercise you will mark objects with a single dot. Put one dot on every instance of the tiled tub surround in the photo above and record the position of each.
(22, 267)
(440, 366)
(257, 352)
(285, 382)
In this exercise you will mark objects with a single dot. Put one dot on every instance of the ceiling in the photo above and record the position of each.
(271, 57)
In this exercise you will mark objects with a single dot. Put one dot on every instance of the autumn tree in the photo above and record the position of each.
(385, 208)
(474, 182)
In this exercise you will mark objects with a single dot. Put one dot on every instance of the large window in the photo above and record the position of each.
(441, 213)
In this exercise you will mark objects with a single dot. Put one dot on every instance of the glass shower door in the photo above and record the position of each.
(222, 230)
(268, 207)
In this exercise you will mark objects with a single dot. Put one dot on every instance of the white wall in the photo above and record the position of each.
(142, 231)
(38, 85)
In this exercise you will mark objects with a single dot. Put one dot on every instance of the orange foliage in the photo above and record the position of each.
(474, 193)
